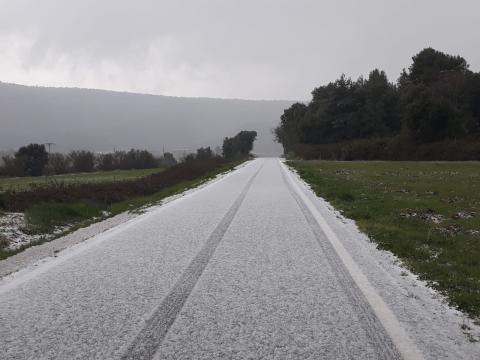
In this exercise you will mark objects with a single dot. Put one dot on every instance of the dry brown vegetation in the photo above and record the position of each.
(108, 192)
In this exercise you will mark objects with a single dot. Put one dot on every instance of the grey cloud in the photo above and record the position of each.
(225, 48)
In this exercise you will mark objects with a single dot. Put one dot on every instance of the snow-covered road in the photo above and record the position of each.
(251, 266)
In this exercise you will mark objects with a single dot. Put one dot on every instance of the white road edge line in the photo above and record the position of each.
(402, 341)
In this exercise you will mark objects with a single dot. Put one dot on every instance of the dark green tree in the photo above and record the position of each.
(82, 161)
(12, 166)
(34, 158)
(472, 91)
(434, 94)
(289, 132)
(437, 99)
(429, 65)
(240, 145)
(58, 163)
(107, 162)
(168, 159)
(204, 153)
(189, 157)
(429, 118)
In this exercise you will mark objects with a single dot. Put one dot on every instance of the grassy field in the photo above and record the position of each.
(427, 213)
(23, 183)
(46, 217)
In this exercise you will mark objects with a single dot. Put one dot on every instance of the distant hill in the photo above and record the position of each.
(105, 120)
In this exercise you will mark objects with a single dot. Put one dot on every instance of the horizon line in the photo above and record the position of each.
(148, 94)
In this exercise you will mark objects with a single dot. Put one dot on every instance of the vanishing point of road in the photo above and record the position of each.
(242, 268)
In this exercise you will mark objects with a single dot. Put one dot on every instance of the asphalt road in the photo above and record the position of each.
(244, 268)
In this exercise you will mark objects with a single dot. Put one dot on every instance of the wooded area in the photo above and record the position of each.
(431, 113)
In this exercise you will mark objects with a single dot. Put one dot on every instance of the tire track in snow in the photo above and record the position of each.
(156, 327)
(381, 325)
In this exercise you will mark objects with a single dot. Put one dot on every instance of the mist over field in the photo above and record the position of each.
(105, 120)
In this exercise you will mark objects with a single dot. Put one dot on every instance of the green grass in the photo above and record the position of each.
(45, 218)
(426, 213)
(24, 183)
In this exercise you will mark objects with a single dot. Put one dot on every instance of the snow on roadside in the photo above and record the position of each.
(12, 227)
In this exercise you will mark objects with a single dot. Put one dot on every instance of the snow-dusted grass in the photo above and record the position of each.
(16, 236)
(12, 231)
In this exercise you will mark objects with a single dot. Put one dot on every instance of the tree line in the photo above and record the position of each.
(431, 112)
(34, 160)
(236, 147)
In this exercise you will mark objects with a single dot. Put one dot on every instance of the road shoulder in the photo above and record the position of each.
(438, 330)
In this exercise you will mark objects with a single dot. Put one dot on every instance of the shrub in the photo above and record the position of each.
(3, 242)
(204, 153)
(168, 160)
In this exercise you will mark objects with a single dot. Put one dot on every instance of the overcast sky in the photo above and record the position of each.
(255, 49)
